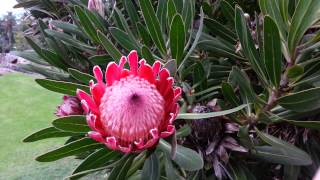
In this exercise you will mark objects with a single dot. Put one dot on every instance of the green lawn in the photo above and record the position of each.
(26, 107)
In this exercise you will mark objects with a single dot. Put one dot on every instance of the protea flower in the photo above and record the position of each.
(70, 106)
(133, 108)
(213, 138)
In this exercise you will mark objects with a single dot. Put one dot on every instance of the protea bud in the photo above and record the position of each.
(134, 108)
(212, 137)
(96, 5)
(70, 106)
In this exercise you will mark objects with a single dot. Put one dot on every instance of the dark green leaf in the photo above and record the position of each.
(120, 171)
(228, 11)
(73, 148)
(294, 154)
(305, 15)
(100, 158)
(220, 30)
(295, 71)
(229, 94)
(147, 54)
(61, 86)
(50, 132)
(76, 124)
(80, 76)
(272, 51)
(69, 28)
(152, 24)
(247, 44)
(186, 158)
(86, 24)
(171, 11)
(151, 168)
(303, 101)
(177, 38)
(123, 39)
(109, 46)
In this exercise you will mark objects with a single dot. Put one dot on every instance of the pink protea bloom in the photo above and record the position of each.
(70, 106)
(133, 108)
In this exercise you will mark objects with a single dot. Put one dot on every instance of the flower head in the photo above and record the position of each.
(70, 106)
(133, 108)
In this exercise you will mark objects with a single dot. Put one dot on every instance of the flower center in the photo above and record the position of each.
(130, 108)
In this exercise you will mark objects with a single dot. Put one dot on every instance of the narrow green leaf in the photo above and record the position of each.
(69, 28)
(61, 86)
(177, 38)
(162, 14)
(183, 131)
(303, 101)
(171, 11)
(73, 148)
(76, 124)
(109, 46)
(220, 30)
(196, 116)
(50, 132)
(228, 11)
(305, 124)
(297, 156)
(152, 24)
(229, 94)
(147, 54)
(100, 59)
(123, 39)
(247, 44)
(272, 50)
(295, 71)
(86, 24)
(151, 168)
(100, 158)
(80, 76)
(120, 171)
(188, 13)
(132, 12)
(186, 158)
(170, 170)
(305, 15)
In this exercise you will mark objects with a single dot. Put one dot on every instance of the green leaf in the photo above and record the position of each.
(86, 24)
(305, 15)
(303, 101)
(147, 54)
(100, 59)
(144, 34)
(73, 148)
(177, 38)
(120, 171)
(305, 124)
(152, 24)
(171, 11)
(272, 50)
(162, 14)
(69, 28)
(132, 12)
(76, 124)
(183, 131)
(278, 155)
(71, 41)
(50, 132)
(247, 44)
(188, 13)
(123, 39)
(186, 158)
(228, 11)
(195, 41)
(196, 116)
(170, 170)
(229, 94)
(220, 30)
(109, 46)
(61, 86)
(31, 56)
(100, 158)
(151, 168)
(80, 76)
(295, 71)
(294, 155)
(199, 78)
(271, 8)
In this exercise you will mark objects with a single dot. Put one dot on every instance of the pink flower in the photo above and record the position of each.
(70, 106)
(96, 5)
(133, 108)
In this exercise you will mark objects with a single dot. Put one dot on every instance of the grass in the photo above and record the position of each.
(25, 108)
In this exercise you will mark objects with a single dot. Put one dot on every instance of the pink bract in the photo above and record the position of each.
(70, 106)
(131, 109)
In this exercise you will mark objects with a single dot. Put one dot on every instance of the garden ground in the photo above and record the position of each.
(25, 108)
